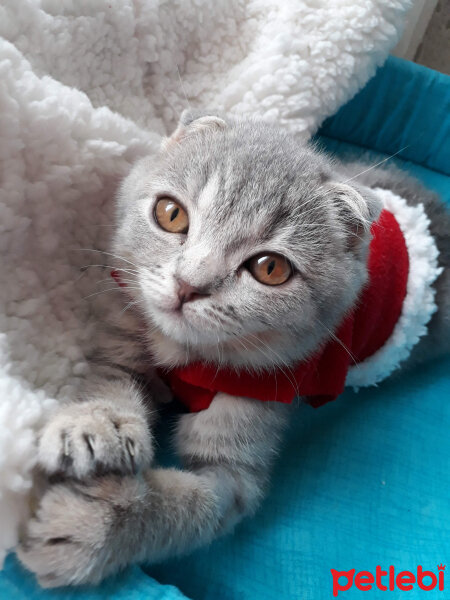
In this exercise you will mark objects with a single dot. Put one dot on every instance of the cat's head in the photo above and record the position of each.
(247, 243)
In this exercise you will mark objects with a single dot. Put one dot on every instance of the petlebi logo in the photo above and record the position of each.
(388, 580)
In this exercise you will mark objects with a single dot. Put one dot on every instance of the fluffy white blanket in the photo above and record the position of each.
(88, 86)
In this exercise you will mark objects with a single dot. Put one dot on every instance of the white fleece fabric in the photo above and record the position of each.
(419, 304)
(88, 87)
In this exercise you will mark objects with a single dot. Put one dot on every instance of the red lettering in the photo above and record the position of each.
(420, 577)
(391, 578)
(441, 580)
(364, 580)
(404, 580)
(337, 587)
(379, 574)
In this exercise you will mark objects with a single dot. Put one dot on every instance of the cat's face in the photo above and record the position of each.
(243, 243)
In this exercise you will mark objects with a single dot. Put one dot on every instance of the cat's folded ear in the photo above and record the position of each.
(192, 122)
(357, 208)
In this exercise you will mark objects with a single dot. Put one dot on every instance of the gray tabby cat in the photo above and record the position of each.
(190, 221)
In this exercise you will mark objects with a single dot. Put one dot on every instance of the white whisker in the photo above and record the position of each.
(292, 381)
(116, 289)
(377, 164)
(116, 268)
(129, 305)
(121, 281)
(336, 339)
(108, 254)
(183, 89)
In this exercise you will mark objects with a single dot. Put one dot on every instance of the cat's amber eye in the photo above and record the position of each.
(171, 216)
(270, 269)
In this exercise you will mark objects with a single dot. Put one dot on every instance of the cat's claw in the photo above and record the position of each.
(94, 438)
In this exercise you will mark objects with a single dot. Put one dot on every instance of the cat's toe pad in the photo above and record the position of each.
(95, 438)
(65, 543)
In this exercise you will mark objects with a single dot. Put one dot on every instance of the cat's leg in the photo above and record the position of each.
(83, 532)
(107, 428)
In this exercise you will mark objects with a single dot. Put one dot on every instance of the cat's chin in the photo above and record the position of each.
(176, 341)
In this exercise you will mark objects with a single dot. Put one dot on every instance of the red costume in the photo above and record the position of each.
(373, 338)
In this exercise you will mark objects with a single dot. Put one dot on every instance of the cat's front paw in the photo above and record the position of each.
(95, 437)
(75, 536)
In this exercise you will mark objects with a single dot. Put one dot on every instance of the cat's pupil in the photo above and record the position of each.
(271, 267)
(174, 214)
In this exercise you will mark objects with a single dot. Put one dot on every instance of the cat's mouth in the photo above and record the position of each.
(192, 317)
(204, 337)
(191, 324)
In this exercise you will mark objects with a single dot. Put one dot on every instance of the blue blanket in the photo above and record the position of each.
(361, 482)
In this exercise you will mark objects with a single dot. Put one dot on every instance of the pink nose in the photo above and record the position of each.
(187, 292)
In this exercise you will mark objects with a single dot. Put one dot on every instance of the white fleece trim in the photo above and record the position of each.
(419, 303)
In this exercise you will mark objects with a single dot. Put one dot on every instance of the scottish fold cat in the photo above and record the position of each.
(241, 250)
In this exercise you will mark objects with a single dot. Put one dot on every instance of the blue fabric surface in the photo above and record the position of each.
(405, 108)
(363, 481)
(133, 584)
